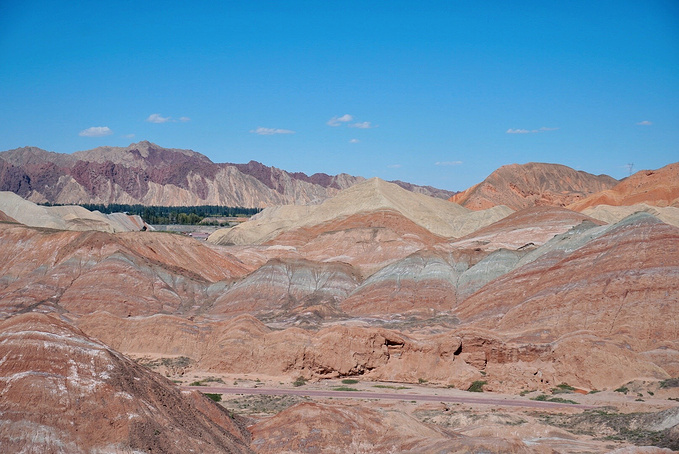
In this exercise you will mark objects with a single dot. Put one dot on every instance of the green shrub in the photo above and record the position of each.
(349, 381)
(477, 386)
(344, 388)
(213, 396)
(622, 389)
(422, 380)
(299, 381)
(197, 383)
(670, 383)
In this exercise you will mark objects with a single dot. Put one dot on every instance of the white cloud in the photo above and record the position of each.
(184, 119)
(394, 166)
(645, 123)
(337, 121)
(354, 141)
(530, 131)
(362, 125)
(448, 163)
(270, 131)
(128, 136)
(96, 131)
(156, 118)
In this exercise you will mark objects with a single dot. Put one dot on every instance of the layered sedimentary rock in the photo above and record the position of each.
(435, 215)
(616, 281)
(612, 214)
(147, 174)
(528, 227)
(64, 392)
(127, 274)
(282, 287)
(534, 184)
(318, 428)
(652, 187)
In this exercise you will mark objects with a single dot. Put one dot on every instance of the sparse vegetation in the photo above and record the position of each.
(610, 425)
(422, 380)
(477, 386)
(670, 383)
(622, 389)
(206, 380)
(563, 388)
(349, 381)
(344, 388)
(546, 398)
(526, 391)
(213, 396)
(390, 387)
(299, 381)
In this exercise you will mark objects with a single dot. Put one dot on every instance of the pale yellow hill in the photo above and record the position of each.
(439, 216)
(612, 214)
(69, 217)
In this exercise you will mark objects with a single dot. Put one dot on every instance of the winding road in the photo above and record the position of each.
(488, 399)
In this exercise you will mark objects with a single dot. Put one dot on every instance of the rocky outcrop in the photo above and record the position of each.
(319, 428)
(651, 187)
(128, 274)
(534, 184)
(64, 392)
(618, 282)
(147, 174)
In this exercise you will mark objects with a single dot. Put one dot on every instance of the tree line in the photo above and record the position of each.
(171, 214)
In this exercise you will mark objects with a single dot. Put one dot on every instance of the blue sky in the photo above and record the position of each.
(438, 93)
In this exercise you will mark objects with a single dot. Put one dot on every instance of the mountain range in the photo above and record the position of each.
(540, 282)
(147, 174)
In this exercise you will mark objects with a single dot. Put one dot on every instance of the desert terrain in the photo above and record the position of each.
(535, 312)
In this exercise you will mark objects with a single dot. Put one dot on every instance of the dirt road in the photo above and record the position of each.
(482, 399)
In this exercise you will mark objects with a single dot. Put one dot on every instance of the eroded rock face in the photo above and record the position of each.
(652, 187)
(147, 174)
(534, 184)
(64, 392)
(319, 428)
(281, 286)
(621, 284)
(127, 274)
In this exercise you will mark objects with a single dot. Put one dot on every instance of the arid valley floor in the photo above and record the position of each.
(535, 312)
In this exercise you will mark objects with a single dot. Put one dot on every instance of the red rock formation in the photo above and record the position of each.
(534, 184)
(320, 428)
(620, 285)
(64, 392)
(652, 187)
(532, 226)
(127, 274)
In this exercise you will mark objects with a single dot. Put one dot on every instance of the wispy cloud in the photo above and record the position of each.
(362, 125)
(337, 121)
(128, 136)
(270, 131)
(96, 131)
(448, 163)
(354, 141)
(645, 123)
(157, 118)
(394, 166)
(184, 119)
(530, 131)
